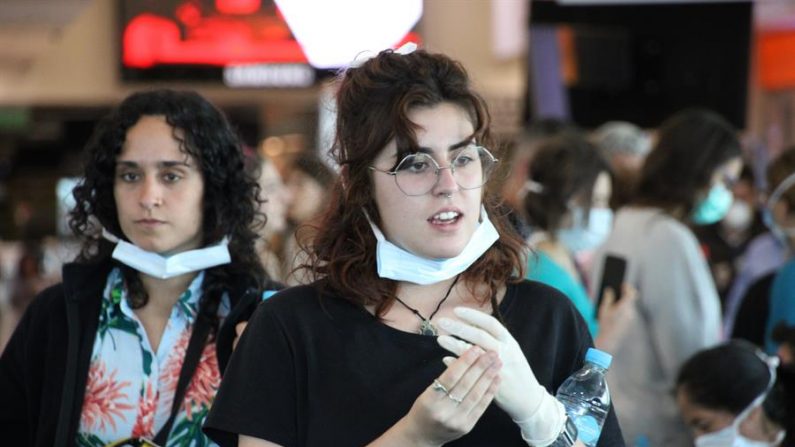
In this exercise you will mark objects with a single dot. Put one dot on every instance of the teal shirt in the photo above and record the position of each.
(542, 268)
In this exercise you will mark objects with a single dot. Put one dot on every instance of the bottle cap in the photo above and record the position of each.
(598, 357)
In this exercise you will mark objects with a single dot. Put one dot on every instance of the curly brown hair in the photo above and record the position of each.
(373, 103)
(231, 193)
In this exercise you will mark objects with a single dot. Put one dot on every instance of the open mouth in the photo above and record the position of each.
(445, 217)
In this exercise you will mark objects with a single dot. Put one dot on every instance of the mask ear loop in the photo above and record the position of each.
(772, 363)
(767, 212)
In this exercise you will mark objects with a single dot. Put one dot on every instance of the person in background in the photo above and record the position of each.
(748, 304)
(132, 343)
(624, 146)
(784, 335)
(517, 163)
(780, 217)
(310, 181)
(724, 242)
(419, 329)
(277, 199)
(567, 206)
(685, 180)
(733, 395)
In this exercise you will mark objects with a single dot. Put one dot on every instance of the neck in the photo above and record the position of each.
(164, 293)
(424, 298)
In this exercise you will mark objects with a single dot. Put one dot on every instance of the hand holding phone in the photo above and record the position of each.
(613, 272)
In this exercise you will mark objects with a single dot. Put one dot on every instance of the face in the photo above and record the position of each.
(439, 223)
(307, 197)
(602, 191)
(728, 173)
(699, 419)
(158, 189)
(277, 198)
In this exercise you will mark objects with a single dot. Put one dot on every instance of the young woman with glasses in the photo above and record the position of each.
(419, 329)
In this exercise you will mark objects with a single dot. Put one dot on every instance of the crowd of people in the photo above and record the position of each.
(410, 292)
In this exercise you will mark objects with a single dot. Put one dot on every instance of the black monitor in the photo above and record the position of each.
(638, 60)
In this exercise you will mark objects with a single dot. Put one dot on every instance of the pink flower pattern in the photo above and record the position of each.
(136, 397)
(145, 422)
(104, 401)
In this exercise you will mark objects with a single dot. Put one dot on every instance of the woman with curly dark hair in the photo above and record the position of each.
(133, 342)
(412, 262)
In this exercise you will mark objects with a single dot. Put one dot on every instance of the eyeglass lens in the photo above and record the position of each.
(418, 173)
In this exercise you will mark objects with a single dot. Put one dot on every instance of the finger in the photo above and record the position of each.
(487, 363)
(458, 368)
(240, 327)
(628, 292)
(472, 334)
(448, 360)
(485, 397)
(484, 321)
(608, 298)
(452, 344)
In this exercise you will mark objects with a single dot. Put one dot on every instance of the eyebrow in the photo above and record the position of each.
(453, 147)
(160, 164)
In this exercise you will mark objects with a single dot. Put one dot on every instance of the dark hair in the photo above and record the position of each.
(231, 193)
(730, 376)
(780, 168)
(373, 104)
(691, 145)
(566, 167)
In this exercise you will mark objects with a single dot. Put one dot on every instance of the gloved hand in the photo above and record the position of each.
(539, 415)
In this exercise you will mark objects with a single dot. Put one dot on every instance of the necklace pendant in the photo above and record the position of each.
(426, 328)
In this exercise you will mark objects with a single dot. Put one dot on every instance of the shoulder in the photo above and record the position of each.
(303, 304)
(535, 298)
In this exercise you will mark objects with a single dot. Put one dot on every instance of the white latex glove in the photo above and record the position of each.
(539, 415)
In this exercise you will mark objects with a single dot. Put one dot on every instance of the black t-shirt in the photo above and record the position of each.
(321, 371)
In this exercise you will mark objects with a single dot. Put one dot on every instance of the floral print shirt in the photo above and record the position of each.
(130, 388)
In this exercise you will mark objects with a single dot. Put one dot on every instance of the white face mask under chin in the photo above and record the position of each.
(398, 264)
(158, 266)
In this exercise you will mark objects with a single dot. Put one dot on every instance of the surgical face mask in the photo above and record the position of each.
(398, 264)
(730, 436)
(587, 234)
(713, 208)
(159, 266)
(739, 217)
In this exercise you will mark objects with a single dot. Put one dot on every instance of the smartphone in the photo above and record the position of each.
(613, 272)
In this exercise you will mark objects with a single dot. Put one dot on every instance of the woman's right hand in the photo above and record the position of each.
(451, 405)
(615, 316)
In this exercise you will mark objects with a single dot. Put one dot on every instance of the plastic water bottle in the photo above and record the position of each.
(586, 397)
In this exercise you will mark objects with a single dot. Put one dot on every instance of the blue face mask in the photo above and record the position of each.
(587, 234)
(714, 207)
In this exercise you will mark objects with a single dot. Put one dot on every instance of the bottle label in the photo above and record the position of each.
(587, 429)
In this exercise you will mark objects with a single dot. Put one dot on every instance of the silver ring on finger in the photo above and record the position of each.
(437, 386)
(455, 399)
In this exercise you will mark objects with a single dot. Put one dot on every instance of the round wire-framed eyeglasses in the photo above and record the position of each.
(418, 173)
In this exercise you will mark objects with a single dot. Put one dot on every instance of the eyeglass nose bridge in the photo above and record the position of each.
(438, 171)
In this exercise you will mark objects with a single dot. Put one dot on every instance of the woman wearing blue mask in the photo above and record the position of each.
(734, 395)
(419, 329)
(685, 181)
(566, 202)
(132, 343)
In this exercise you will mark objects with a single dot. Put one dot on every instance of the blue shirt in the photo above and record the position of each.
(543, 269)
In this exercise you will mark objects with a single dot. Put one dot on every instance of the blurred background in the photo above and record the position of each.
(269, 65)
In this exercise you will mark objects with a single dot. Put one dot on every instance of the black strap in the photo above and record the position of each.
(192, 357)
